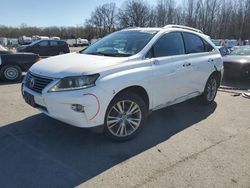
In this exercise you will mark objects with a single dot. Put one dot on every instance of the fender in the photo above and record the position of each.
(117, 81)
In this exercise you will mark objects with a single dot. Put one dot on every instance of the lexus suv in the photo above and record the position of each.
(118, 80)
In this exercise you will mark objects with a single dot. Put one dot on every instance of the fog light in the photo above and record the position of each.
(77, 107)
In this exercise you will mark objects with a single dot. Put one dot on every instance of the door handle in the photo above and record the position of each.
(186, 64)
(156, 62)
(210, 60)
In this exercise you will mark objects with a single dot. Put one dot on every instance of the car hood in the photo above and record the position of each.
(236, 59)
(74, 64)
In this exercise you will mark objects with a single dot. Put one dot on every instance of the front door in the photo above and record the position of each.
(171, 70)
(44, 48)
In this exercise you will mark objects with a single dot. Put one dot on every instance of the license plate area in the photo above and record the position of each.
(29, 98)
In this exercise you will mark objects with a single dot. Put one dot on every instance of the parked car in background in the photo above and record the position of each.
(46, 47)
(231, 43)
(116, 81)
(218, 42)
(224, 50)
(37, 37)
(77, 42)
(55, 38)
(246, 42)
(23, 40)
(13, 42)
(13, 64)
(237, 63)
(3, 41)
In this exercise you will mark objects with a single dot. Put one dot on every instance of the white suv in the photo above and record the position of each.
(119, 79)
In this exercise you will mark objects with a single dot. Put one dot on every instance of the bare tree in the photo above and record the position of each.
(103, 18)
(135, 13)
(217, 18)
(166, 12)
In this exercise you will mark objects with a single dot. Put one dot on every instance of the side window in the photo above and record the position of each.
(61, 43)
(43, 43)
(53, 43)
(193, 43)
(208, 47)
(169, 44)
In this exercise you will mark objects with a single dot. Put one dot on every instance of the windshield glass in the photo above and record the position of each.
(241, 51)
(121, 44)
(2, 48)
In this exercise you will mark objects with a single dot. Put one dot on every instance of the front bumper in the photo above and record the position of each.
(58, 105)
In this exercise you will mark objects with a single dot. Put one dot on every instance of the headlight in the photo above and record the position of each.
(75, 82)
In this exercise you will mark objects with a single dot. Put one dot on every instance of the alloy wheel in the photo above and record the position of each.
(211, 89)
(124, 118)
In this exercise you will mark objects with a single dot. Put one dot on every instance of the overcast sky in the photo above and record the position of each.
(49, 12)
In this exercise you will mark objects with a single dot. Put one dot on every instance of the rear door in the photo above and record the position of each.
(200, 55)
(54, 48)
(170, 69)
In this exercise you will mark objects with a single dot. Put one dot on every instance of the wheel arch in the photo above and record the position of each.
(138, 90)
(218, 75)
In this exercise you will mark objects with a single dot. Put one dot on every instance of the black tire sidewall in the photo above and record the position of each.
(204, 99)
(126, 96)
(9, 66)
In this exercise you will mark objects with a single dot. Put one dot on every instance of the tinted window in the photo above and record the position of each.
(43, 43)
(193, 43)
(208, 47)
(61, 43)
(168, 45)
(53, 43)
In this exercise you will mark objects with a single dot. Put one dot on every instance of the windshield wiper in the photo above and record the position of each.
(99, 53)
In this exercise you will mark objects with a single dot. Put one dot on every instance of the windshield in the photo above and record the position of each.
(241, 51)
(121, 44)
(2, 48)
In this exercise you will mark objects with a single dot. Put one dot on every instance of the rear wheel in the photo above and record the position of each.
(210, 91)
(11, 73)
(125, 116)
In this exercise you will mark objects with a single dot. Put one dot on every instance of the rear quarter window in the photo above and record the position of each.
(193, 43)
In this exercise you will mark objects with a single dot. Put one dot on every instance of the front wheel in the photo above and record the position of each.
(125, 116)
(210, 90)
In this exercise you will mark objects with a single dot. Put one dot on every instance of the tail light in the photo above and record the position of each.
(66, 44)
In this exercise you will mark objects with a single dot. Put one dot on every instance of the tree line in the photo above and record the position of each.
(226, 19)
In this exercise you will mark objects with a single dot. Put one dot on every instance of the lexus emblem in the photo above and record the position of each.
(32, 82)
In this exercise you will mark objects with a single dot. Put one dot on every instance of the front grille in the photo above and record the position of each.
(36, 83)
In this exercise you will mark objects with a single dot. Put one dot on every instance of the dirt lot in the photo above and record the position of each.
(186, 145)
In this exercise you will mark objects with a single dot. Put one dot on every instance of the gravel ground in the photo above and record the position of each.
(186, 145)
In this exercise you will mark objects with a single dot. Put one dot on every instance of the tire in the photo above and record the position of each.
(125, 117)
(61, 53)
(11, 73)
(210, 90)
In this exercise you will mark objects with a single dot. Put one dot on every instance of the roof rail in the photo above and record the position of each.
(182, 27)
